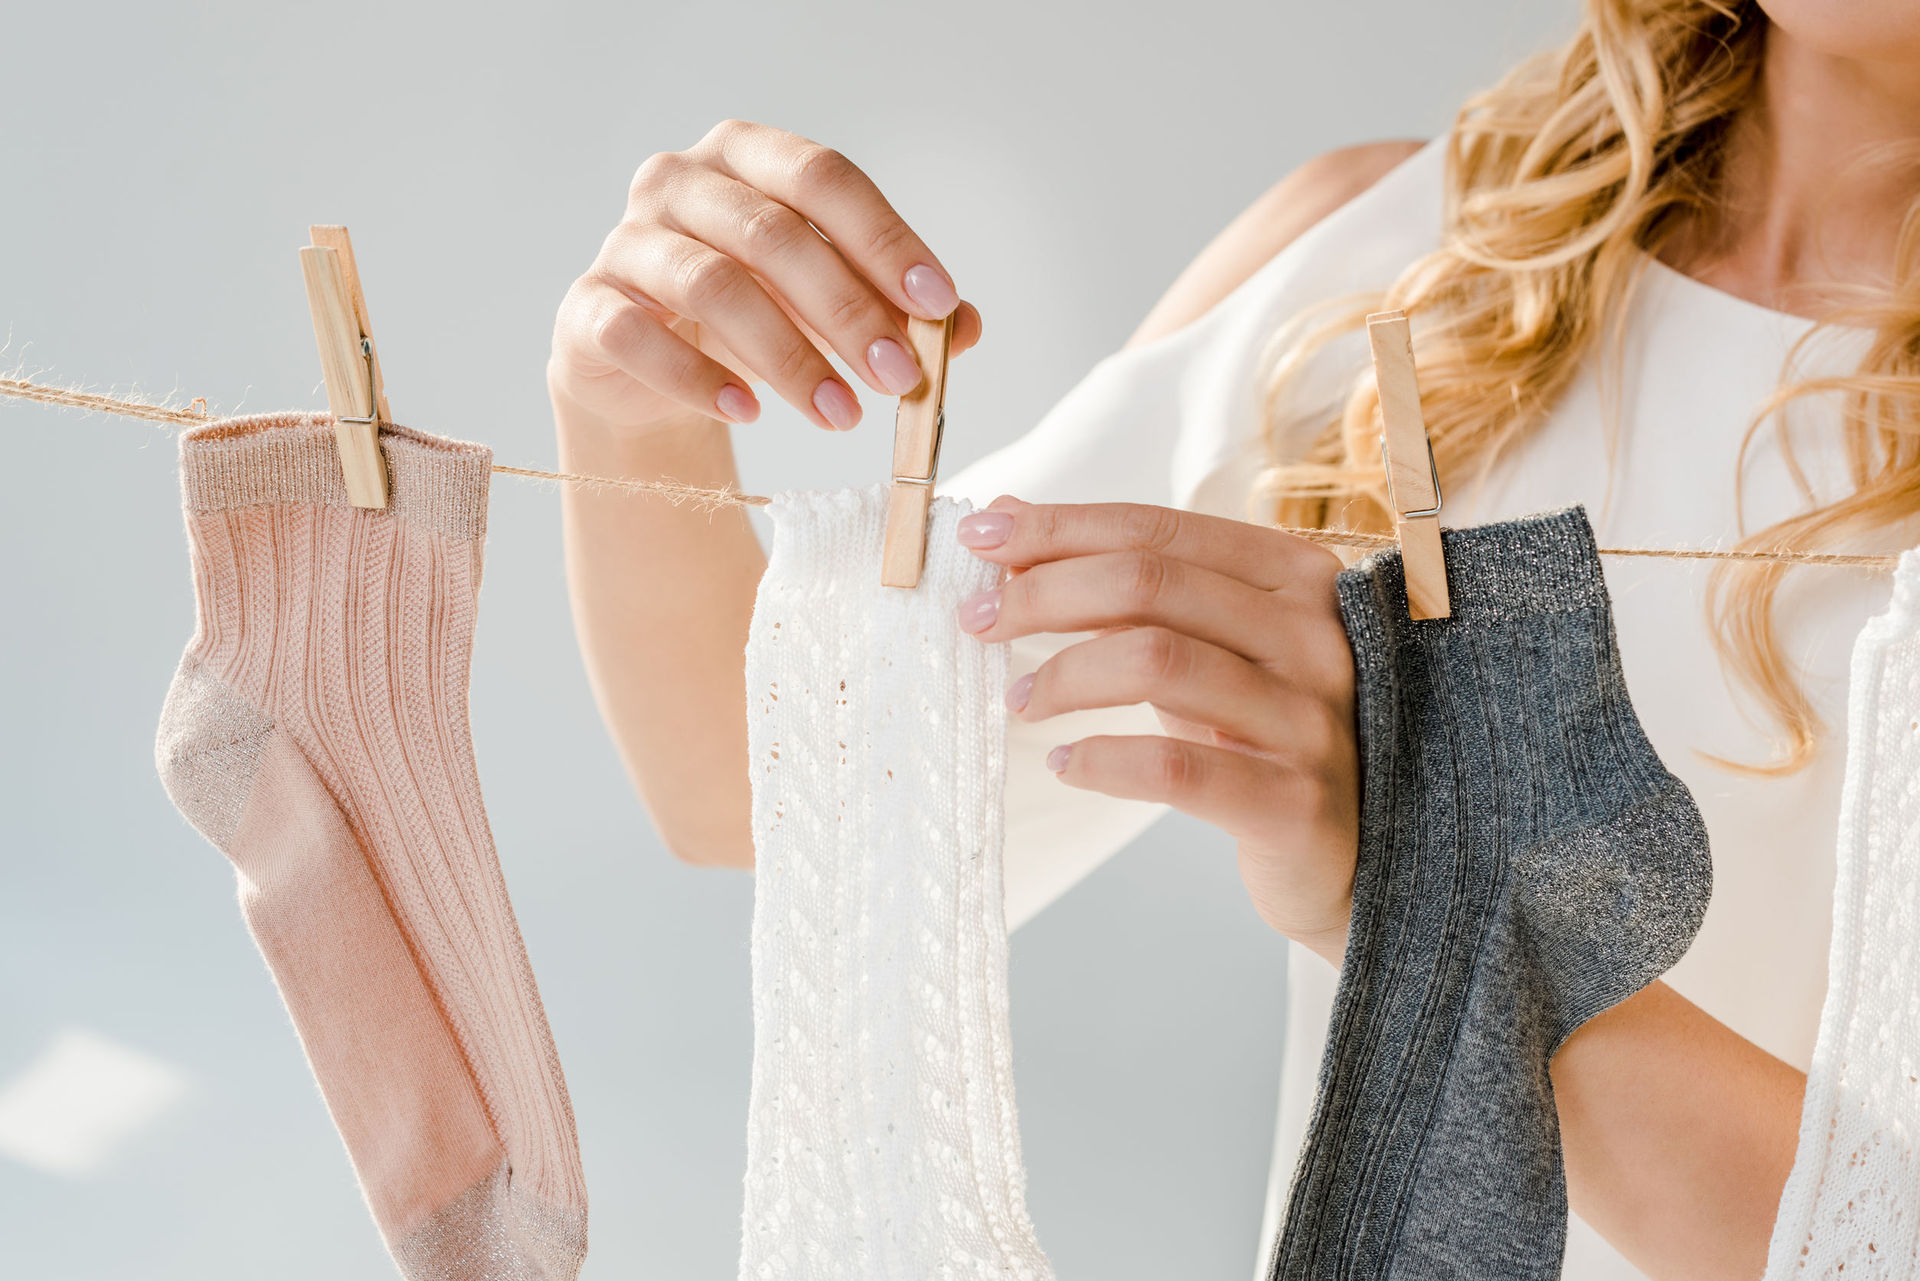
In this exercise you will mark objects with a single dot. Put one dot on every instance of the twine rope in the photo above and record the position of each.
(676, 492)
(704, 498)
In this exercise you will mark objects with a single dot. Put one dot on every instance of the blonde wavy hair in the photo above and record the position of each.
(1561, 181)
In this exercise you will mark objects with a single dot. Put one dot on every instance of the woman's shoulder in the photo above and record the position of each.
(1286, 210)
(1152, 420)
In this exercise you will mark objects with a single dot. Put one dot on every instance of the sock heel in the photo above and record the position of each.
(208, 751)
(1608, 909)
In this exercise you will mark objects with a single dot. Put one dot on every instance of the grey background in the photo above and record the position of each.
(162, 163)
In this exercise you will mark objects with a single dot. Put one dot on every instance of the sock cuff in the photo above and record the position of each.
(829, 541)
(1499, 573)
(432, 481)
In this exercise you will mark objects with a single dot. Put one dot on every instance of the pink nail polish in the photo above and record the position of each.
(737, 403)
(893, 366)
(836, 404)
(930, 289)
(1019, 693)
(1057, 758)
(978, 612)
(983, 529)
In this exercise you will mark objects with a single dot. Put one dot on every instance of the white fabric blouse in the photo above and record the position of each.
(1649, 444)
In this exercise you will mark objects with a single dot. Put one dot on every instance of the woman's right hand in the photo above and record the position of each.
(745, 258)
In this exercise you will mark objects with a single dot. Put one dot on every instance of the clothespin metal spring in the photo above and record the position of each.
(1433, 469)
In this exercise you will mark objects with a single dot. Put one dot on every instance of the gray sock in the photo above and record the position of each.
(1525, 863)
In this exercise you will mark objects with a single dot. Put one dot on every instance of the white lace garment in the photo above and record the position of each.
(881, 1136)
(1851, 1207)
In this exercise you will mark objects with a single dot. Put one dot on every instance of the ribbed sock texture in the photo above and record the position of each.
(881, 1135)
(1851, 1207)
(1525, 863)
(317, 734)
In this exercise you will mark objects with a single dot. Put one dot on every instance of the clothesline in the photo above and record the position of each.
(677, 492)
(704, 498)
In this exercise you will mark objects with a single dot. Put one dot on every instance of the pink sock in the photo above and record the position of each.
(317, 734)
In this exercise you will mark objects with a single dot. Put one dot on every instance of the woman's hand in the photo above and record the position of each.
(752, 255)
(1233, 634)
(749, 256)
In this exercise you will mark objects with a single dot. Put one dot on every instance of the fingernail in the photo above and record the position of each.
(737, 403)
(978, 612)
(1019, 692)
(983, 529)
(930, 288)
(893, 366)
(836, 404)
(1057, 758)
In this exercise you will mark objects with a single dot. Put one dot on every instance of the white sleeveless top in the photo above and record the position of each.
(1179, 422)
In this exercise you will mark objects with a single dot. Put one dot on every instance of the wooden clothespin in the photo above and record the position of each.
(1413, 480)
(918, 425)
(356, 395)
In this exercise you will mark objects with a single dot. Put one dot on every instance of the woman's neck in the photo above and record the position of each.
(1815, 183)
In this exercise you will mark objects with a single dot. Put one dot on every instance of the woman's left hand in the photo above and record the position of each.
(1232, 633)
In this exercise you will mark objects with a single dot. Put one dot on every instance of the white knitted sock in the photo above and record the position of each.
(1852, 1204)
(881, 1136)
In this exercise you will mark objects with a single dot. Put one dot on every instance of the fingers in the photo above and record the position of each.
(1296, 825)
(1247, 796)
(617, 337)
(1183, 677)
(755, 221)
(1133, 589)
(835, 196)
(967, 328)
(1011, 532)
(782, 247)
(690, 278)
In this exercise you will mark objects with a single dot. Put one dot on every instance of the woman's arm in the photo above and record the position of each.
(1679, 1136)
(661, 597)
(715, 278)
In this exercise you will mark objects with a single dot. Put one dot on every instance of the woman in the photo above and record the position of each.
(1609, 262)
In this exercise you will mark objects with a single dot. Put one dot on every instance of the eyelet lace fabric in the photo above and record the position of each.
(882, 1140)
(1851, 1207)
